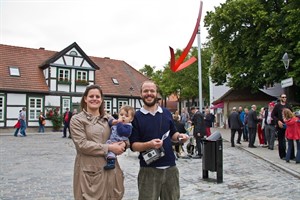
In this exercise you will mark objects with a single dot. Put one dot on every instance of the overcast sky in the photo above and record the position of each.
(136, 31)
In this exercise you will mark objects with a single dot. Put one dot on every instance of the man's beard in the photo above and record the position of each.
(152, 103)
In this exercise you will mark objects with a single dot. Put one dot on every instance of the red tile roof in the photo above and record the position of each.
(32, 79)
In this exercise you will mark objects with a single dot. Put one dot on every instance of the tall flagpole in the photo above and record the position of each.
(199, 70)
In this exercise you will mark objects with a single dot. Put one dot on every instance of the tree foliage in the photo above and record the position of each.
(249, 38)
(185, 83)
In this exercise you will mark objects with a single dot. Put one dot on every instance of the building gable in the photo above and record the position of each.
(71, 56)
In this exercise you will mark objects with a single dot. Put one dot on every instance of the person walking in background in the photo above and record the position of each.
(177, 114)
(207, 119)
(199, 129)
(184, 117)
(242, 118)
(277, 116)
(270, 126)
(74, 111)
(67, 119)
(18, 125)
(90, 131)
(153, 131)
(252, 125)
(178, 146)
(261, 127)
(292, 133)
(213, 117)
(235, 124)
(245, 124)
(42, 122)
(23, 122)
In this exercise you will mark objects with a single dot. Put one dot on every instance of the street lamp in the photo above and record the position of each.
(286, 61)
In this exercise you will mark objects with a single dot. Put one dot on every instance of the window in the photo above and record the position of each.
(64, 75)
(107, 105)
(115, 81)
(35, 107)
(1, 108)
(81, 76)
(66, 104)
(73, 53)
(122, 103)
(14, 71)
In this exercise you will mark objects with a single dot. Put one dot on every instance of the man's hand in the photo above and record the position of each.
(156, 143)
(280, 124)
(182, 137)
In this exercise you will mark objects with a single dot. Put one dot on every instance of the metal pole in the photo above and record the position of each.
(199, 70)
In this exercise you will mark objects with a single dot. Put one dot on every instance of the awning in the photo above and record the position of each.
(219, 105)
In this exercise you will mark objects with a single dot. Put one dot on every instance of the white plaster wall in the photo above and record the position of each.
(62, 87)
(53, 85)
(60, 61)
(76, 99)
(10, 123)
(13, 112)
(80, 88)
(73, 77)
(52, 101)
(91, 75)
(16, 99)
(53, 72)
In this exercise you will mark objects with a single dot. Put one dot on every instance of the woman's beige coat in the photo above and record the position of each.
(91, 181)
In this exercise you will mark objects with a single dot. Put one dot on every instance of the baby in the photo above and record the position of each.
(120, 131)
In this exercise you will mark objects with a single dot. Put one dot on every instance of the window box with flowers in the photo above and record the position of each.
(55, 118)
(82, 82)
(64, 81)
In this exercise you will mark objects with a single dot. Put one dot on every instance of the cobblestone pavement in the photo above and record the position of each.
(40, 167)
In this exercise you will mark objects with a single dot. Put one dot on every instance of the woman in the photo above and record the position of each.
(90, 131)
(261, 127)
(292, 133)
(42, 123)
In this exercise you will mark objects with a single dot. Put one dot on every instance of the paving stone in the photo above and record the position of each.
(40, 167)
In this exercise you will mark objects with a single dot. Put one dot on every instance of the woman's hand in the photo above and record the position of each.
(117, 148)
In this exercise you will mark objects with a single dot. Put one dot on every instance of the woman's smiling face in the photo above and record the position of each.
(93, 100)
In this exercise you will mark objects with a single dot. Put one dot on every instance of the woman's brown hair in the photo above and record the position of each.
(83, 104)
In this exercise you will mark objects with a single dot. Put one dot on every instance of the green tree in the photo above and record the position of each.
(249, 38)
(184, 83)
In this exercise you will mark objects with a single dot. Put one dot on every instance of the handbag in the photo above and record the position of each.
(44, 122)
(18, 124)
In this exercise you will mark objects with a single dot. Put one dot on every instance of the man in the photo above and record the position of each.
(242, 118)
(252, 125)
(184, 117)
(277, 116)
(235, 124)
(270, 126)
(245, 124)
(153, 128)
(23, 122)
(199, 129)
(67, 119)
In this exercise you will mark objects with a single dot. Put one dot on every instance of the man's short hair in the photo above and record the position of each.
(193, 108)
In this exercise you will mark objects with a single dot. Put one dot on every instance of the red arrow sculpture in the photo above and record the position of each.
(179, 64)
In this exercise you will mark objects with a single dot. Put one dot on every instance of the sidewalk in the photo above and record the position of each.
(271, 156)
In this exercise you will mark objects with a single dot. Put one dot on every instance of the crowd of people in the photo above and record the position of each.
(274, 122)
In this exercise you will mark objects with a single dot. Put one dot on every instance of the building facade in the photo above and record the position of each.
(42, 80)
